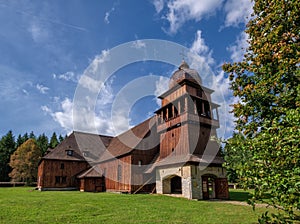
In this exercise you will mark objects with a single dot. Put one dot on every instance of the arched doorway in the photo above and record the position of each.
(176, 187)
(208, 187)
(172, 185)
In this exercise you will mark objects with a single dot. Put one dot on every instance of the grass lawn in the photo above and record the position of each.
(24, 205)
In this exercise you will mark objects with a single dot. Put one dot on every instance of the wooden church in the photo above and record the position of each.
(173, 152)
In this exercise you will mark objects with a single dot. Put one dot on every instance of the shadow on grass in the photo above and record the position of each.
(239, 195)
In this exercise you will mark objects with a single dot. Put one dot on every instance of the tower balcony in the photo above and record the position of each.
(183, 118)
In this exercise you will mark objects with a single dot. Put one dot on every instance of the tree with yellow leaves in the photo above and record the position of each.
(24, 162)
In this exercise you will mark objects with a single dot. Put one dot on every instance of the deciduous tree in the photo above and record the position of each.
(265, 151)
(24, 162)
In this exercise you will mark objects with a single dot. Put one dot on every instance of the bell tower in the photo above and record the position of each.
(189, 161)
(187, 119)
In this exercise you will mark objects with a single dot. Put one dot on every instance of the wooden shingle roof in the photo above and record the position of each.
(82, 145)
(183, 159)
(95, 148)
(91, 172)
(129, 140)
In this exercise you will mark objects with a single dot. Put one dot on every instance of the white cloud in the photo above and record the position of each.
(90, 83)
(94, 67)
(107, 15)
(106, 94)
(88, 120)
(43, 89)
(237, 12)
(138, 44)
(161, 86)
(180, 11)
(25, 92)
(91, 78)
(63, 117)
(106, 18)
(218, 82)
(46, 109)
(223, 96)
(68, 76)
(159, 5)
(199, 47)
(201, 58)
(238, 49)
(38, 33)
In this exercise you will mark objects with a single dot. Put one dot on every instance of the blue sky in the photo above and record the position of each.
(47, 46)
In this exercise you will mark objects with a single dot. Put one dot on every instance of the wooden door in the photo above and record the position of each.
(222, 188)
(205, 188)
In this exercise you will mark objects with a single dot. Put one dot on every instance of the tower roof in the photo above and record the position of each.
(184, 73)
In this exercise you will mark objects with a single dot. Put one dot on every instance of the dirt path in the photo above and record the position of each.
(242, 203)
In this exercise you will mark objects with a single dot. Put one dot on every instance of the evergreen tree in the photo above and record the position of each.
(25, 137)
(19, 141)
(24, 162)
(32, 135)
(60, 138)
(53, 141)
(7, 147)
(265, 152)
(43, 143)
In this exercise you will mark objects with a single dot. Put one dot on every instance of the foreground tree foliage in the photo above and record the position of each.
(24, 162)
(265, 150)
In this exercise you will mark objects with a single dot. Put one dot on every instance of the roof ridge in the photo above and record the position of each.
(89, 133)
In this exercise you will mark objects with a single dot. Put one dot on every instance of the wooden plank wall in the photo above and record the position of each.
(115, 181)
(92, 184)
(49, 169)
(146, 157)
(174, 141)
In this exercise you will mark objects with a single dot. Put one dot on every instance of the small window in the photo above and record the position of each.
(86, 153)
(172, 149)
(57, 179)
(69, 152)
(104, 172)
(199, 92)
(119, 172)
(64, 180)
(62, 166)
(140, 163)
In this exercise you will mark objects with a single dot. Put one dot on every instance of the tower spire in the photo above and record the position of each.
(183, 62)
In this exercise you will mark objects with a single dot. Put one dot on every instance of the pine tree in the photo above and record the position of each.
(7, 147)
(43, 143)
(53, 141)
(32, 135)
(24, 162)
(19, 141)
(265, 151)
(25, 137)
(60, 138)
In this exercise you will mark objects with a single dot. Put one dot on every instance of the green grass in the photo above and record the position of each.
(239, 195)
(24, 205)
